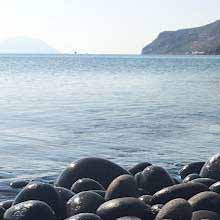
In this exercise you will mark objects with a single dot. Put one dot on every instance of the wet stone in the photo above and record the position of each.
(19, 184)
(30, 210)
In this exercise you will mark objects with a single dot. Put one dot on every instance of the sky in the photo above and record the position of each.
(101, 26)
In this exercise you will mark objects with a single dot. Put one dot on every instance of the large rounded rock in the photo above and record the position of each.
(206, 181)
(205, 215)
(98, 169)
(86, 184)
(84, 216)
(155, 178)
(122, 186)
(206, 201)
(64, 195)
(191, 168)
(215, 187)
(183, 190)
(83, 202)
(122, 207)
(30, 210)
(42, 192)
(211, 169)
(191, 177)
(177, 209)
(139, 167)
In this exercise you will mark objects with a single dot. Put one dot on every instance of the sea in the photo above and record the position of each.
(55, 109)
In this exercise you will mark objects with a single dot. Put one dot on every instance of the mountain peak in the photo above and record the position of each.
(26, 45)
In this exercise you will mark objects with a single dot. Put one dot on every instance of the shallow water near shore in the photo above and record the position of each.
(55, 109)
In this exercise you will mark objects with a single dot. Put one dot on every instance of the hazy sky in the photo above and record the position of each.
(101, 26)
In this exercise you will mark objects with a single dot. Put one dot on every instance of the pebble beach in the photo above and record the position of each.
(98, 189)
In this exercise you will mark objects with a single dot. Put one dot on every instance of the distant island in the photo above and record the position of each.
(26, 45)
(204, 40)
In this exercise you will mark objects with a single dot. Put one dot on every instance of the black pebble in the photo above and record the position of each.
(86, 184)
(206, 181)
(83, 202)
(122, 186)
(155, 178)
(194, 167)
(183, 190)
(122, 207)
(206, 201)
(177, 209)
(30, 210)
(101, 170)
(19, 184)
(42, 192)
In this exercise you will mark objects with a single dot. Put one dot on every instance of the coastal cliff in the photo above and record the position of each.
(204, 40)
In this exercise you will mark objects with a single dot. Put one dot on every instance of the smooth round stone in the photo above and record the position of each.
(206, 201)
(122, 207)
(139, 167)
(155, 178)
(84, 216)
(191, 168)
(30, 210)
(156, 208)
(122, 186)
(42, 192)
(206, 181)
(211, 169)
(19, 184)
(215, 187)
(86, 184)
(101, 170)
(146, 199)
(6, 204)
(177, 209)
(183, 190)
(2, 211)
(205, 215)
(191, 177)
(64, 195)
(83, 202)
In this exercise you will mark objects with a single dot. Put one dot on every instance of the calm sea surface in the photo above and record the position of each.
(56, 109)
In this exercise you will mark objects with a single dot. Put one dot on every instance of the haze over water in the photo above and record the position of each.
(55, 109)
